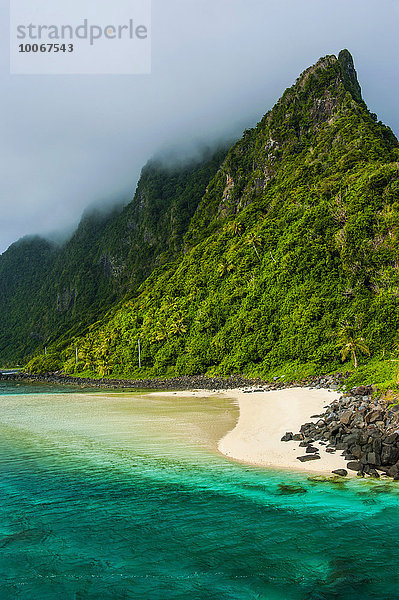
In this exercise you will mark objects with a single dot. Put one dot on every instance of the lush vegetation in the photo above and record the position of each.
(290, 262)
(47, 293)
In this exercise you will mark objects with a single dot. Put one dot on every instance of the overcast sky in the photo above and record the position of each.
(217, 67)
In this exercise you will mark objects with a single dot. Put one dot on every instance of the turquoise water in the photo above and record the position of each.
(121, 496)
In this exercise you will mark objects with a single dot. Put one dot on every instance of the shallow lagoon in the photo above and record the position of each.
(119, 496)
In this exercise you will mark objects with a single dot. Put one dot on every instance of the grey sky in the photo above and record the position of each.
(218, 66)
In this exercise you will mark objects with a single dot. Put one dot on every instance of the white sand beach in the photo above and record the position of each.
(264, 418)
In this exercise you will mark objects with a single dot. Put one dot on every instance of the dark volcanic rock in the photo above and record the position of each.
(308, 457)
(392, 438)
(389, 454)
(374, 473)
(393, 470)
(186, 382)
(347, 417)
(354, 466)
(373, 416)
(362, 390)
(341, 472)
(364, 428)
(356, 451)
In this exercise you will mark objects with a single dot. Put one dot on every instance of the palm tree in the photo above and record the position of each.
(161, 332)
(178, 327)
(103, 353)
(255, 241)
(103, 368)
(225, 267)
(237, 228)
(86, 353)
(350, 343)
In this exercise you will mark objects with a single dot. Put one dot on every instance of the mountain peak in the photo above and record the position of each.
(349, 74)
(318, 121)
(326, 69)
(321, 65)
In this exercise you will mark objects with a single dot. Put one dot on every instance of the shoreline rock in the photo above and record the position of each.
(363, 428)
(180, 383)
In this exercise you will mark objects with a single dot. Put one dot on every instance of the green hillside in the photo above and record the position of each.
(22, 273)
(292, 252)
(47, 292)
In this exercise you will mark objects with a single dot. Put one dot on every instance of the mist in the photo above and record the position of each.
(69, 142)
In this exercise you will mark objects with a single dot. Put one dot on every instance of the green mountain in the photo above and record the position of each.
(22, 269)
(47, 292)
(291, 254)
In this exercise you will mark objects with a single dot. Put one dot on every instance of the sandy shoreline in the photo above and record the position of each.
(264, 418)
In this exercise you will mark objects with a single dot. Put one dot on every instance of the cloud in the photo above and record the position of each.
(218, 66)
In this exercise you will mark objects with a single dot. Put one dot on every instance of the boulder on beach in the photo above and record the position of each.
(340, 472)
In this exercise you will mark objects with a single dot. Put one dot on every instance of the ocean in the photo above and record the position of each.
(108, 496)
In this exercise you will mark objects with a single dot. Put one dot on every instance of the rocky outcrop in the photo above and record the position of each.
(363, 428)
(65, 300)
(349, 75)
(172, 383)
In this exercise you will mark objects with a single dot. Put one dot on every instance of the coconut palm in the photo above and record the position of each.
(255, 241)
(224, 268)
(237, 228)
(86, 351)
(177, 326)
(161, 332)
(395, 346)
(351, 344)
